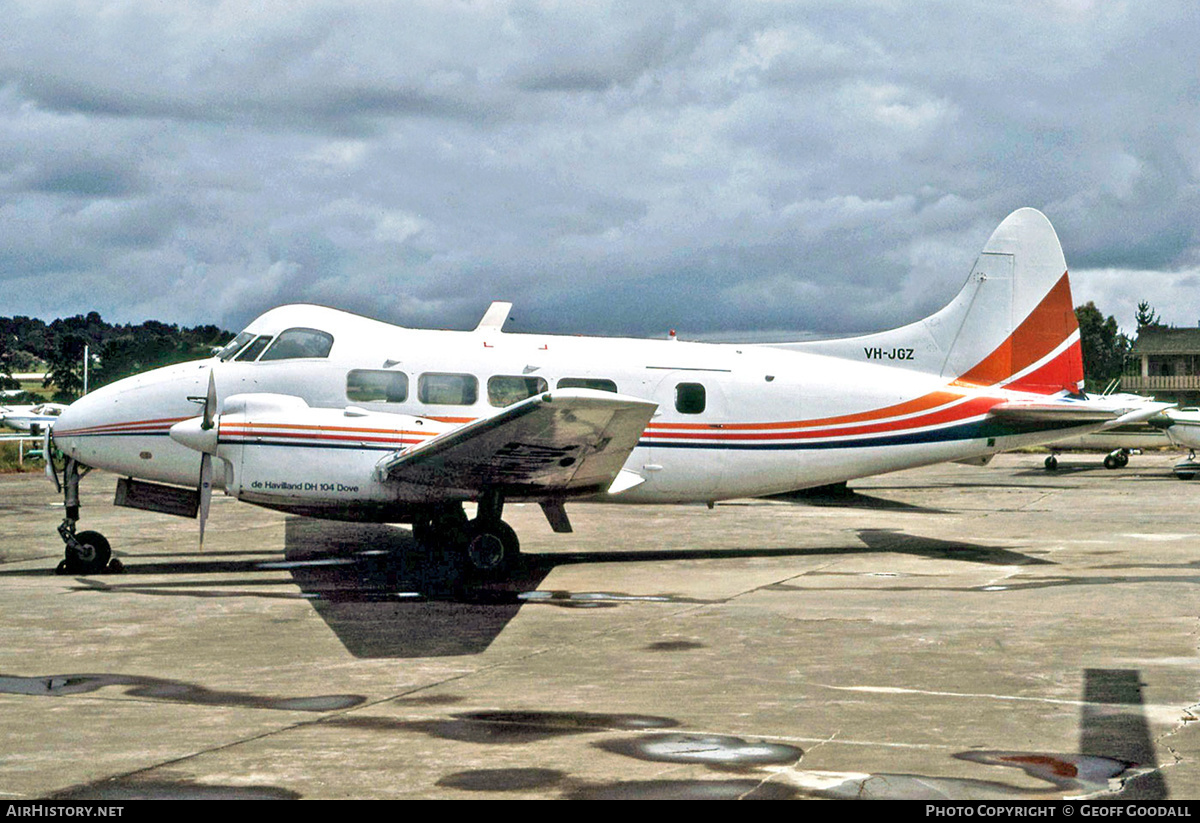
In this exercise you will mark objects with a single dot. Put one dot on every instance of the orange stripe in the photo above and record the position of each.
(1046, 327)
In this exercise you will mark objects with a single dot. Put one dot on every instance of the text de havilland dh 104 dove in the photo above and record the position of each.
(321, 413)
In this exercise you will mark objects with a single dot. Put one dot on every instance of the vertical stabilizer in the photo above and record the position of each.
(1013, 322)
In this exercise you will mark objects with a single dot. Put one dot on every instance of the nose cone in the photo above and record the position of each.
(124, 427)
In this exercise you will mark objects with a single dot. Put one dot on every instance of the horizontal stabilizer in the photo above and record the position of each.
(1109, 410)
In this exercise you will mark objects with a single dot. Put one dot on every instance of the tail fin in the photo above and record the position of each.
(1013, 323)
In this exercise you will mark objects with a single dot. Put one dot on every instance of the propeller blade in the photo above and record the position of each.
(206, 471)
(210, 403)
(48, 456)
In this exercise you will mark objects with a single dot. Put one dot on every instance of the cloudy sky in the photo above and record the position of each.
(724, 168)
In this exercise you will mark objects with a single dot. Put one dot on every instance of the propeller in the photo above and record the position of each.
(201, 435)
(207, 423)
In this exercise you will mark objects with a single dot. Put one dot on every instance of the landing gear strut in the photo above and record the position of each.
(87, 552)
(488, 544)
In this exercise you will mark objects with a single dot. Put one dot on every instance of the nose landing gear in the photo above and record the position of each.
(87, 552)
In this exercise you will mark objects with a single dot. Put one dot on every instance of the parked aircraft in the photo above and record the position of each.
(322, 413)
(1183, 429)
(33, 419)
(1119, 442)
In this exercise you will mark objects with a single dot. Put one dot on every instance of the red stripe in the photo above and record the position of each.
(972, 408)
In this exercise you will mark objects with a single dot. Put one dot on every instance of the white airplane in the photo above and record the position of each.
(31, 418)
(318, 412)
(1182, 427)
(1119, 442)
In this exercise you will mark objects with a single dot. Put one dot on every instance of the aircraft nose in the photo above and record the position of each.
(125, 426)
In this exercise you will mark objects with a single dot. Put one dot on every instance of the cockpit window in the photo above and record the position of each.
(254, 349)
(295, 343)
(235, 345)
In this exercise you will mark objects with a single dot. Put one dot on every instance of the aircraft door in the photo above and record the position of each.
(687, 460)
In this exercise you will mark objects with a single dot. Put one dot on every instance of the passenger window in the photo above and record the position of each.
(689, 398)
(254, 349)
(504, 391)
(448, 389)
(296, 343)
(235, 345)
(376, 386)
(597, 383)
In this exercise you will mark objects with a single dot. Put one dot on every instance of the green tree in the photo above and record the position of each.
(7, 364)
(1146, 317)
(66, 368)
(1104, 346)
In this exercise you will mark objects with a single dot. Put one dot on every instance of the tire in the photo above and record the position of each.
(491, 548)
(1111, 462)
(92, 556)
(1051, 463)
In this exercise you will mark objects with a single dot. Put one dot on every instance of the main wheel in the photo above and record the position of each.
(92, 555)
(1051, 463)
(492, 547)
(1111, 461)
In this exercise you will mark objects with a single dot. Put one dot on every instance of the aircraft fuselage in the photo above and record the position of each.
(732, 420)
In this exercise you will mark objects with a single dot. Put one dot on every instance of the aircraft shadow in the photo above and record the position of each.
(384, 596)
(393, 600)
(839, 496)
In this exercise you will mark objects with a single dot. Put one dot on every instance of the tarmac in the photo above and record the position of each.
(947, 632)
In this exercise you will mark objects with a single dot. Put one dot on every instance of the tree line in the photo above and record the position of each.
(115, 351)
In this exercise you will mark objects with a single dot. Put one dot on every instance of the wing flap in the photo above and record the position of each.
(561, 443)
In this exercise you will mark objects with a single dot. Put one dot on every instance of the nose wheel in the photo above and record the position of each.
(87, 552)
(90, 554)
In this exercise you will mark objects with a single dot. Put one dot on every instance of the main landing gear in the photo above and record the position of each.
(487, 544)
(1116, 459)
(87, 552)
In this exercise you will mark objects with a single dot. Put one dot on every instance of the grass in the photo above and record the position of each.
(10, 458)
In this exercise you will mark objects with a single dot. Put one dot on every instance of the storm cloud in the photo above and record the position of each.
(609, 167)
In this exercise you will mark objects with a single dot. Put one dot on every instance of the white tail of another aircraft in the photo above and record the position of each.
(1013, 324)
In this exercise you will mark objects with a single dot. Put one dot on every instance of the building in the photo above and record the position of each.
(1165, 362)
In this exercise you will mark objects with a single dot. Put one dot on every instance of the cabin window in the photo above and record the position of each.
(296, 343)
(689, 398)
(597, 383)
(254, 349)
(442, 389)
(376, 386)
(235, 345)
(504, 390)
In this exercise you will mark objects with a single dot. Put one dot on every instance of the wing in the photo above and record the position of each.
(563, 443)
